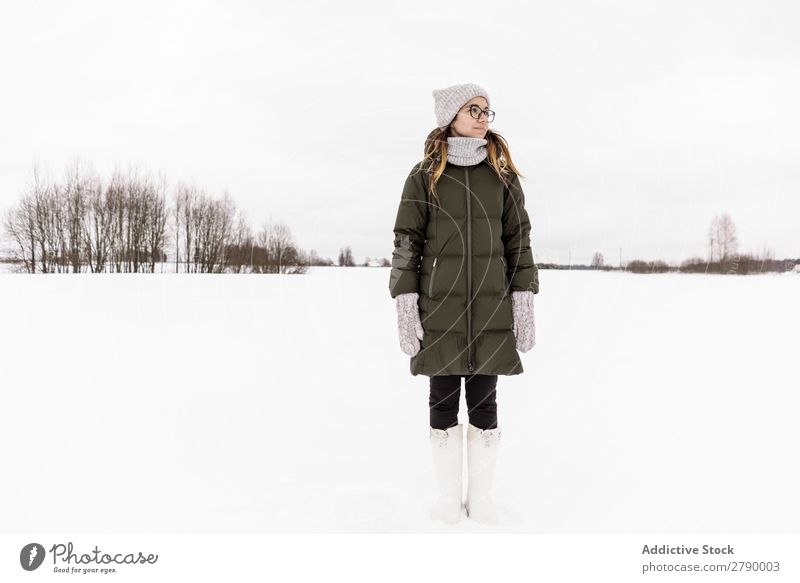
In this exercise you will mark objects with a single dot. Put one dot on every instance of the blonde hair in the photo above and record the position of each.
(435, 157)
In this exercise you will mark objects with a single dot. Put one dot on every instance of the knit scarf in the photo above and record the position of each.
(465, 150)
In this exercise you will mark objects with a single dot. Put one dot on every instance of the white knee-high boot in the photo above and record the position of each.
(482, 447)
(447, 448)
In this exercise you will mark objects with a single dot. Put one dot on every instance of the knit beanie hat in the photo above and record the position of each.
(449, 100)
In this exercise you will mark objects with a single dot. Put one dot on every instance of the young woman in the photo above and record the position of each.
(463, 278)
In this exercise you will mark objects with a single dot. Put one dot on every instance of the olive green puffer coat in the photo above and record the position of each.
(464, 258)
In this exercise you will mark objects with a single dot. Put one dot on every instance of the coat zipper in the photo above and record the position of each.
(505, 274)
(433, 272)
(469, 272)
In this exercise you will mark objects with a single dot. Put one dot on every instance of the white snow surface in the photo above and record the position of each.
(282, 403)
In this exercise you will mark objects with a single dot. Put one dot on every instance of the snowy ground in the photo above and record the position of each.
(247, 403)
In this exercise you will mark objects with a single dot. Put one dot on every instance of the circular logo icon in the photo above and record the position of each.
(31, 556)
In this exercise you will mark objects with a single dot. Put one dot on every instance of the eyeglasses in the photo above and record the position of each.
(476, 112)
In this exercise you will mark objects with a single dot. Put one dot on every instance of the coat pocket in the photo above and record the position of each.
(433, 276)
(505, 275)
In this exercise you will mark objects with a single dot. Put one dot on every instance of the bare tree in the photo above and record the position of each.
(279, 243)
(75, 206)
(96, 231)
(131, 221)
(597, 260)
(276, 240)
(207, 226)
(47, 218)
(185, 208)
(241, 246)
(722, 240)
(115, 208)
(22, 225)
(136, 190)
(155, 223)
(277, 252)
(346, 257)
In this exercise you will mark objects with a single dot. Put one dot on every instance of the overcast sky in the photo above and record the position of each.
(634, 122)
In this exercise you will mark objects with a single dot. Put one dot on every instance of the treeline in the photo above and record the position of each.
(741, 264)
(723, 257)
(737, 264)
(126, 224)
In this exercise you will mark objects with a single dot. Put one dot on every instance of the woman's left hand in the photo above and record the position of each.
(524, 321)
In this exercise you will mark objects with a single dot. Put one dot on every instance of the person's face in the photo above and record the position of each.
(466, 125)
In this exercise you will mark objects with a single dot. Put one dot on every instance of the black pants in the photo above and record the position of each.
(481, 402)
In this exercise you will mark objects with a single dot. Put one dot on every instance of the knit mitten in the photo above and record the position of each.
(409, 327)
(524, 322)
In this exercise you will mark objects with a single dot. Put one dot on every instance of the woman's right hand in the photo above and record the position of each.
(409, 327)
